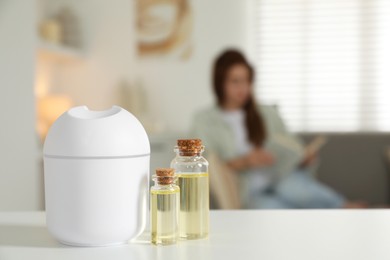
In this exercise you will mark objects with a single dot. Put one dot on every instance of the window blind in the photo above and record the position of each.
(325, 63)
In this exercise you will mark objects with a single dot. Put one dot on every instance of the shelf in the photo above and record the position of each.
(58, 53)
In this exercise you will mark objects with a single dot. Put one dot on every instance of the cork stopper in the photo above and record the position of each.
(189, 147)
(165, 175)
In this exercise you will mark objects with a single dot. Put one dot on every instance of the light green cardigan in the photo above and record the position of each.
(218, 137)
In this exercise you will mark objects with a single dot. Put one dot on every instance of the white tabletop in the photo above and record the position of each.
(238, 235)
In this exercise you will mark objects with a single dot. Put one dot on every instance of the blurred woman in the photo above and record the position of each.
(253, 140)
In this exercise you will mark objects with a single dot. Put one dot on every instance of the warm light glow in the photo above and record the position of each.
(49, 108)
(42, 80)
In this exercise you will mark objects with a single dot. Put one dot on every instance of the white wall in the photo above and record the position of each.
(108, 44)
(176, 89)
(20, 188)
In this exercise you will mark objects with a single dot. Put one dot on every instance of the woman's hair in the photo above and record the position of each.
(253, 120)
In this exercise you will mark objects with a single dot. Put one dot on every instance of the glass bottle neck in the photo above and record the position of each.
(157, 184)
(188, 154)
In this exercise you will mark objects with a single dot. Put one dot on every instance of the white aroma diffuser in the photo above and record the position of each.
(96, 167)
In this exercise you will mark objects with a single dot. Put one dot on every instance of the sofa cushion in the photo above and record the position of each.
(355, 165)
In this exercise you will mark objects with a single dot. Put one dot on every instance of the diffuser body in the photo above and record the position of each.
(96, 166)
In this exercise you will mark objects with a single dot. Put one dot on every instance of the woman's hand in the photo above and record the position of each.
(258, 157)
(309, 159)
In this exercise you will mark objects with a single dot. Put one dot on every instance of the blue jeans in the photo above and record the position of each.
(299, 190)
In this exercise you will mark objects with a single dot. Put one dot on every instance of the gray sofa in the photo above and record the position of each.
(357, 165)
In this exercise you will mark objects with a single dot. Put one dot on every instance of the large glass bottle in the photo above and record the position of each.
(192, 172)
(164, 207)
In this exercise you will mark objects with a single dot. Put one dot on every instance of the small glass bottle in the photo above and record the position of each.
(192, 171)
(164, 207)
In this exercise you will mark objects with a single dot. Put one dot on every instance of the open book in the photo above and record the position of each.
(289, 152)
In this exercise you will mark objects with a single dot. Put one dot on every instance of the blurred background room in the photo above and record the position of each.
(323, 64)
